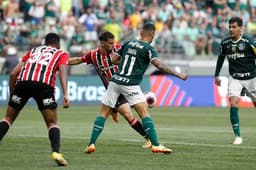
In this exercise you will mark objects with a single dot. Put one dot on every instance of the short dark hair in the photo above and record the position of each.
(149, 26)
(104, 36)
(52, 39)
(236, 19)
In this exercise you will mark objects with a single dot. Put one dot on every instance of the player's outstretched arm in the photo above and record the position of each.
(157, 63)
(75, 61)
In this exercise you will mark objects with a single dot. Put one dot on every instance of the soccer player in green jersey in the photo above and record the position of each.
(133, 58)
(101, 58)
(240, 50)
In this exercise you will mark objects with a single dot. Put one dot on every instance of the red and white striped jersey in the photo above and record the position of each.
(41, 64)
(102, 63)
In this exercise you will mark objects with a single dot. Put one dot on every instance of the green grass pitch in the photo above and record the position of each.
(200, 137)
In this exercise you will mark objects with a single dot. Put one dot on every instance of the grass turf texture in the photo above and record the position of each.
(200, 137)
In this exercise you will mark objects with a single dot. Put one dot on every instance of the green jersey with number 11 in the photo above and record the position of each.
(135, 58)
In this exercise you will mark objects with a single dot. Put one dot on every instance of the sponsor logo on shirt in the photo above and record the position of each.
(241, 74)
(236, 55)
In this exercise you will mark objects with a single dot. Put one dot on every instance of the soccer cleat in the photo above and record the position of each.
(147, 144)
(115, 117)
(238, 140)
(162, 149)
(90, 148)
(59, 159)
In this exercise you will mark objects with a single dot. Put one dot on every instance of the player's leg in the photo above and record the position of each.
(99, 123)
(17, 100)
(250, 89)
(234, 119)
(234, 90)
(114, 114)
(136, 98)
(252, 95)
(149, 127)
(124, 109)
(11, 114)
(108, 103)
(50, 117)
(48, 107)
(126, 112)
(147, 122)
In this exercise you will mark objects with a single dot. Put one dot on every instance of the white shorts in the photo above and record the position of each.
(235, 86)
(133, 94)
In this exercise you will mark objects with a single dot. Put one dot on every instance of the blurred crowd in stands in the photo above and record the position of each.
(185, 27)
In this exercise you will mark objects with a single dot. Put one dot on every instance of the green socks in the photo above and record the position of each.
(97, 129)
(235, 120)
(149, 128)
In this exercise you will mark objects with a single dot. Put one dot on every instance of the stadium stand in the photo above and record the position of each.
(187, 30)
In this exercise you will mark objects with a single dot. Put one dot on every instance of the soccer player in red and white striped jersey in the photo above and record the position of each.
(35, 77)
(41, 64)
(101, 58)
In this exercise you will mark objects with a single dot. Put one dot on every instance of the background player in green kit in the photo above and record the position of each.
(240, 51)
(133, 58)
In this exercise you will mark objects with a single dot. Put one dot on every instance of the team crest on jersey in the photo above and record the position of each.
(233, 49)
(241, 46)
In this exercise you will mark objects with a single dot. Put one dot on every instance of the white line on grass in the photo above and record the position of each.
(136, 140)
(191, 129)
(197, 144)
(203, 129)
(196, 130)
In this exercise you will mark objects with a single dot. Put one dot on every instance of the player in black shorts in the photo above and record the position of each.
(35, 77)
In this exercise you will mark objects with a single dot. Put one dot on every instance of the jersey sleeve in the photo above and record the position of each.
(26, 57)
(220, 60)
(152, 54)
(64, 59)
(87, 58)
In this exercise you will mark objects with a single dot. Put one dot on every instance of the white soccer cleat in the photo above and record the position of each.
(238, 140)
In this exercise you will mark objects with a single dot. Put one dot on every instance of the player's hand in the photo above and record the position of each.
(217, 81)
(183, 76)
(66, 102)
